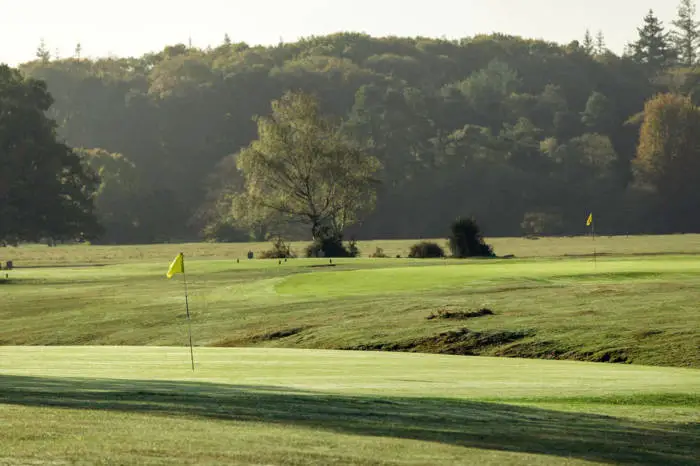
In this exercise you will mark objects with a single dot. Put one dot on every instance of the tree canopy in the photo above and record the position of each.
(668, 160)
(505, 129)
(45, 190)
(303, 166)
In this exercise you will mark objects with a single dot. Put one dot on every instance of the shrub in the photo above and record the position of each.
(280, 250)
(353, 250)
(466, 241)
(426, 250)
(331, 246)
(378, 253)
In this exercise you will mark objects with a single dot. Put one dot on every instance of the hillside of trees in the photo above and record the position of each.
(526, 136)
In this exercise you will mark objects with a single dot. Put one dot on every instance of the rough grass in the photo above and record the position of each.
(126, 405)
(33, 255)
(639, 310)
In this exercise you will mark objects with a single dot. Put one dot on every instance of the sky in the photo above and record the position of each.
(132, 28)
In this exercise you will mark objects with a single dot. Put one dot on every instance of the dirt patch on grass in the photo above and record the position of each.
(263, 337)
(462, 342)
(502, 343)
(459, 315)
(553, 350)
(278, 335)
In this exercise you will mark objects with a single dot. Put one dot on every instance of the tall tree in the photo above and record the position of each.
(598, 115)
(653, 48)
(600, 47)
(116, 198)
(303, 166)
(42, 52)
(487, 92)
(45, 190)
(668, 159)
(588, 44)
(686, 36)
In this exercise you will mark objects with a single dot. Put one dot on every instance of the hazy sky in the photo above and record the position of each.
(130, 27)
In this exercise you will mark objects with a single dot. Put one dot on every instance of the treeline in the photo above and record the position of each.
(524, 135)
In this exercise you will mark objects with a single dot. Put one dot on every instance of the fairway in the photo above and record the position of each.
(579, 362)
(131, 405)
(625, 308)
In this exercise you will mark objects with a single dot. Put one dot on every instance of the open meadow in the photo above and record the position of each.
(598, 363)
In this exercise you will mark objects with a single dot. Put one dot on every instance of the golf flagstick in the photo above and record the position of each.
(178, 266)
(189, 320)
(591, 223)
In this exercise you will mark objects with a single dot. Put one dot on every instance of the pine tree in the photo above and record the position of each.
(653, 48)
(686, 36)
(227, 39)
(42, 52)
(600, 47)
(588, 45)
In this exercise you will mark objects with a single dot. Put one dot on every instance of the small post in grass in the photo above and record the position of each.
(591, 223)
(178, 266)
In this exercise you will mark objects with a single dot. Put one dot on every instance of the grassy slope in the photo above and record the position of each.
(265, 406)
(641, 310)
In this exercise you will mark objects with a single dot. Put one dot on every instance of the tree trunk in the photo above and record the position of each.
(315, 229)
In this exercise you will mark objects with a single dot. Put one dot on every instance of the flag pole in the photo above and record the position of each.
(187, 310)
(595, 255)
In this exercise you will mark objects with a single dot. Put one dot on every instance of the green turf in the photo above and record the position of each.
(260, 404)
(126, 405)
(634, 309)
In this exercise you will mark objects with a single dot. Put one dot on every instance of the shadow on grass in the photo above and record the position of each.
(485, 425)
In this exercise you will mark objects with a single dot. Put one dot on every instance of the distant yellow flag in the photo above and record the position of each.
(589, 220)
(178, 266)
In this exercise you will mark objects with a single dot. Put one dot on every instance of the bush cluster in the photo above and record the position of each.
(465, 240)
(331, 246)
(426, 250)
(280, 250)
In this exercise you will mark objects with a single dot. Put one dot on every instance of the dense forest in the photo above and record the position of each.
(526, 136)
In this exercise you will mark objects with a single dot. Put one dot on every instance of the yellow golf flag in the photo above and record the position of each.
(589, 220)
(178, 266)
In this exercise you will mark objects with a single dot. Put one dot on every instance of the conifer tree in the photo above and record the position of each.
(588, 44)
(600, 47)
(42, 52)
(686, 36)
(653, 48)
